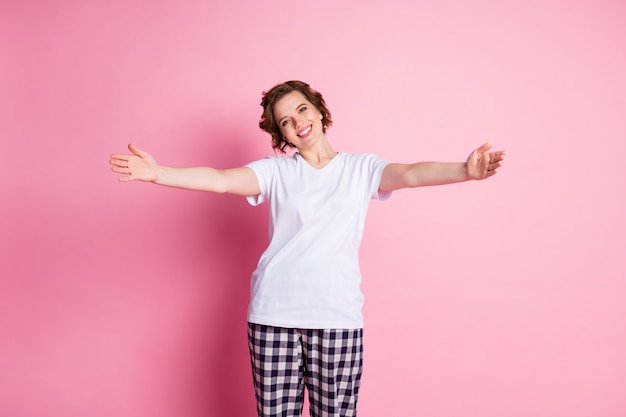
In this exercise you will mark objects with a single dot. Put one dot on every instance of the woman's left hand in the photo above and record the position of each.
(482, 164)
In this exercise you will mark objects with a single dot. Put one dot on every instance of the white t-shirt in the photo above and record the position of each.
(309, 275)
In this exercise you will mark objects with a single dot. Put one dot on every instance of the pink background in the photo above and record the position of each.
(500, 298)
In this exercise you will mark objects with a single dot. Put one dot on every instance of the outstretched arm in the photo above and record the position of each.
(480, 164)
(141, 166)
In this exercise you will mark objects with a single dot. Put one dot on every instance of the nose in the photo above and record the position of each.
(300, 120)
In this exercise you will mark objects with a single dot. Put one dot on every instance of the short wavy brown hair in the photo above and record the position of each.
(268, 123)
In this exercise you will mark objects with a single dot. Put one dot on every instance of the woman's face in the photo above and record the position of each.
(300, 122)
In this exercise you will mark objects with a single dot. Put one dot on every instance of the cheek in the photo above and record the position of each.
(285, 130)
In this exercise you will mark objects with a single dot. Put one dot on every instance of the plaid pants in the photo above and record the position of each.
(284, 360)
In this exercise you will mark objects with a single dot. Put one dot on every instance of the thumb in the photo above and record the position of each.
(484, 148)
(136, 150)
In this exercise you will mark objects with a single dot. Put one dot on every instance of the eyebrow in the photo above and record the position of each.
(297, 107)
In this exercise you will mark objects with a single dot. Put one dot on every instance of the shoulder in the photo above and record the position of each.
(365, 160)
(276, 160)
(272, 166)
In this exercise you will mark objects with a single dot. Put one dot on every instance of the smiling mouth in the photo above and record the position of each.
(304, 132)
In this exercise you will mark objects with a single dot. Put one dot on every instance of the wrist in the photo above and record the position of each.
(160, 173)
(466, 173)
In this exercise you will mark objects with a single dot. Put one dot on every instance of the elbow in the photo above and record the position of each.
(398, 176)
(410, 179)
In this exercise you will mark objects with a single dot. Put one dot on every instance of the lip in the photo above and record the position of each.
(302, 133)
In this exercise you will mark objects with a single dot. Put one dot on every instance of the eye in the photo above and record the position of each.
(303, 109)
(284, 123)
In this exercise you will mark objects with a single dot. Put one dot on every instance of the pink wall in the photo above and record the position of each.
(500, 298)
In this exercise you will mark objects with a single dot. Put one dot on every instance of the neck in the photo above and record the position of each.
(318, 156)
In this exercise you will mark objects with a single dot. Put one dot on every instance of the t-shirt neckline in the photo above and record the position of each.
(299, 156)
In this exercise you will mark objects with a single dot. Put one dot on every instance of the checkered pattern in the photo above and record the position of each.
(328, 362)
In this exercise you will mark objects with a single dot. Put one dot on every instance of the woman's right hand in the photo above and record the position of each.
(139, 165)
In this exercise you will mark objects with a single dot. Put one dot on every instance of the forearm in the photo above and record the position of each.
(437, 173)
(421, 174)
(196, 178)
(238, 181)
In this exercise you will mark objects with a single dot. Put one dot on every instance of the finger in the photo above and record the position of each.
(121, 170)
(496, 160)
(119, 162)
(120, 156)
(496, 157)
(493, 167)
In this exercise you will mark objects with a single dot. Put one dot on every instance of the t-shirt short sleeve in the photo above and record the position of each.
(376, 166)
(263, 169)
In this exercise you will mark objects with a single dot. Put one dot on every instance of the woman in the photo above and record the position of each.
(305, 323)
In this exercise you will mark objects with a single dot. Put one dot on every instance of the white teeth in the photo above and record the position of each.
(306, 131)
